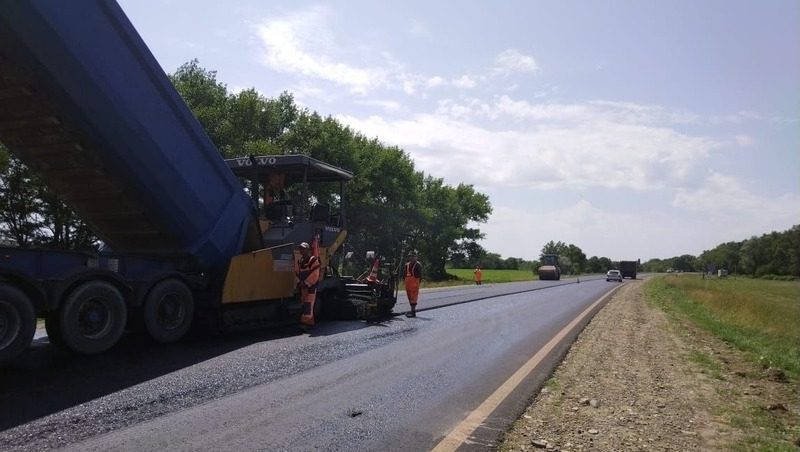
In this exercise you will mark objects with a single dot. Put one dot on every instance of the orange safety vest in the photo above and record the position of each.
(415, 271)
(308, 273)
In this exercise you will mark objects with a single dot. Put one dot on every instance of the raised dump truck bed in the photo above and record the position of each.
(88, 109)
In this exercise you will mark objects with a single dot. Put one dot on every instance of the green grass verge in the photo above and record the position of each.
(709, 365)
(759, 317)
(490, 276)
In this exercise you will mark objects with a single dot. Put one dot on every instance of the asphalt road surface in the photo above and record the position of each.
(403, 384)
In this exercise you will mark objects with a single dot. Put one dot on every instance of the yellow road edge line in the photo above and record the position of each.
(464, 430)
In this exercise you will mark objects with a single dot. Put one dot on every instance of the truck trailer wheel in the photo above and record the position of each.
(92, 318)
(168, 311)
(17, 322)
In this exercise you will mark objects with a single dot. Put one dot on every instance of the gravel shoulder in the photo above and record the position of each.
(638, 380)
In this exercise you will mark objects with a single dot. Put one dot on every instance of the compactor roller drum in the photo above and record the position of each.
(550, 270)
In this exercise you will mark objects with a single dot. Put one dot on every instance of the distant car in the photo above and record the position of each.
(614, 275)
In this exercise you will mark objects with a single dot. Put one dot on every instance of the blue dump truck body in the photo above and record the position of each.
(88, 109)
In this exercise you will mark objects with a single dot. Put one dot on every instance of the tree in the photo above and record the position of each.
(20, 207)
(598, 265)
(207, 98)
(686, 263)
(468, 254)
(445, 215)
(388, 201)
(382, 199)
(551, 247)
(61, 227)
(577, 258)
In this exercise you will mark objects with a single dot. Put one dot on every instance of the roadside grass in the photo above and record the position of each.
(465, 276)
(490, 276)
(759, 317)
(709, 365)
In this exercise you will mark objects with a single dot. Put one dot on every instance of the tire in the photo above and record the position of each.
(92, 318)
(17, 322)
(168, 311)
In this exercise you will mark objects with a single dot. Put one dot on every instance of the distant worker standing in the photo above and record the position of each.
(307, 276)
(413, 276)
(478, 275)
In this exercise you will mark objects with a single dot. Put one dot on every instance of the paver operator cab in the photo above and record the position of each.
(279, 188)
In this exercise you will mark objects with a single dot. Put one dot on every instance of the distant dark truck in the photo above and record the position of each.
(628, 269)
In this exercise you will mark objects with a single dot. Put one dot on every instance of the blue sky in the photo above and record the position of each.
(633, 129)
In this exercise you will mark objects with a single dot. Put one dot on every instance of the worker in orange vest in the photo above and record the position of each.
(413, 276)
(478, 275)
(307, 277)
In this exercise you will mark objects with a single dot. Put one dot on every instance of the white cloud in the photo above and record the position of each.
(618, 236)
(388, 105)
(744, 140)
(435, 81)
(465, 82)
(551, 146)
(305, 90)
(725, 195)
(512, 60)
(505, 107)
(300, 44)
(419, 30)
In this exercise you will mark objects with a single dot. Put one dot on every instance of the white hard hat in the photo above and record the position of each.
(303, 245)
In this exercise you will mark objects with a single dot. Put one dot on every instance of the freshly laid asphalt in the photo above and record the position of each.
(402, 384)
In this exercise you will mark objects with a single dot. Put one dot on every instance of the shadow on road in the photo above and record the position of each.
(47, 379)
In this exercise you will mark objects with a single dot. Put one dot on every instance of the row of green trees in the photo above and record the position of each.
(572, 260)
(388, 199)
(775, 253)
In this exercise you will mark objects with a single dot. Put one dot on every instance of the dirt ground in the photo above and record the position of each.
(636, 380)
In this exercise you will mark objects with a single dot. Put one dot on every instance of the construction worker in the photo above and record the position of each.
(274, 188)
(413, 276)
(478, 275)
(307, 277)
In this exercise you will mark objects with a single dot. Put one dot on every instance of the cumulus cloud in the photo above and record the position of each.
(744, 140)
(630, 235)
(300, 44)
(388, 105)
(435, 81)
(465, 82)
(726, 195)
(512, 60)
(553, 146)
(580, 223)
